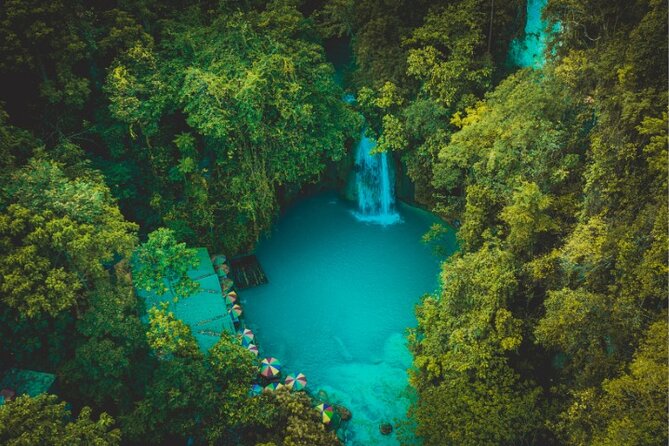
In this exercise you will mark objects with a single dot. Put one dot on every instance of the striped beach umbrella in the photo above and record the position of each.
(271, 387)
(296, 382)
(256, 389)
(226, 284)
(237, 310)
(231, 298)
(326, 411)
(253, 349)
(246, 336)
(270, 367)
(218, 260)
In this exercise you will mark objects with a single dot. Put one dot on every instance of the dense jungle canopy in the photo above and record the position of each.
(197, 122)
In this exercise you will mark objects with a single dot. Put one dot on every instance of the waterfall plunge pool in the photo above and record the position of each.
(340, 297)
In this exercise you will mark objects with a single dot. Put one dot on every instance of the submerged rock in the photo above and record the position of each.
(386, 428)
(344, 413)
(322, 395)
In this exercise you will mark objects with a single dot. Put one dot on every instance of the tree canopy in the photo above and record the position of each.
(133, 131)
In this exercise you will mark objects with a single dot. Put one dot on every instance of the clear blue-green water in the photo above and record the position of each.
(340, 297)
(529, 52)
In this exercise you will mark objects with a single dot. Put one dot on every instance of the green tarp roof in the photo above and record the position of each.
(204, 312)
(27, 382)
(204, 268)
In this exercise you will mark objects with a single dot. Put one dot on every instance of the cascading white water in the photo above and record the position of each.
(374, 185)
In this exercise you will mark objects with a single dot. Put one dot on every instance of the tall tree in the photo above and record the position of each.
(44, 420)
(58, 233)
(223, 127)
(161, 265)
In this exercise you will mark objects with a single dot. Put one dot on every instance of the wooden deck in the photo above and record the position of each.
(246, 272)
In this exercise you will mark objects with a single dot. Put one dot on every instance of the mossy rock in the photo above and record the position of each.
(386, 428)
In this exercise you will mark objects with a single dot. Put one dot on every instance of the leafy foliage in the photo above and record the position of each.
(57, 234)
(110, 358)
(43, 420)
(550, 324)
(161, 265)
(256, 110)
(561, 283)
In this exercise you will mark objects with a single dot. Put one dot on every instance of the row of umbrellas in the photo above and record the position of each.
(247, 338)
(292, 382)
(231, 299)
(271, 367)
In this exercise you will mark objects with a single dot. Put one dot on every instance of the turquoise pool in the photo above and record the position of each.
(340, 296)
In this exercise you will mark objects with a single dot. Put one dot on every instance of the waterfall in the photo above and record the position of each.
(529, 52)
(374, 185)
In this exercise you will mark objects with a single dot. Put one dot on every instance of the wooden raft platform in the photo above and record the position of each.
(246, 272)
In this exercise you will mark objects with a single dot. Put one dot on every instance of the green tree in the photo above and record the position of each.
(559, 169)
(491, 408)
(299, 424)
(235, 413)
(463, 347)
(169, 337)
(57, 233)
(629, 409)
(43, 420)
(194, 395)
(527, 216)
(35, 39)
(161, 264)
(111, 354)
(448, 54)
(254, 111)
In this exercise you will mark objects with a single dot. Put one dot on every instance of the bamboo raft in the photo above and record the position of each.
(246, 272)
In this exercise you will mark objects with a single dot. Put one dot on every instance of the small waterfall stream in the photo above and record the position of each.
(374, 185)
(529, 51)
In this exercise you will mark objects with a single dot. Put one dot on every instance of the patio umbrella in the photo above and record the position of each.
(327, 412)
(226, 284)
(270, 367)
(253, 349)
(231, 297)
(218, 260)
(237, 310)
(296, 382)
(256, 389)
(246, 336)
(271, 387)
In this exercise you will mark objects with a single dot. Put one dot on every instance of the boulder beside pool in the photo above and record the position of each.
(386, 428)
